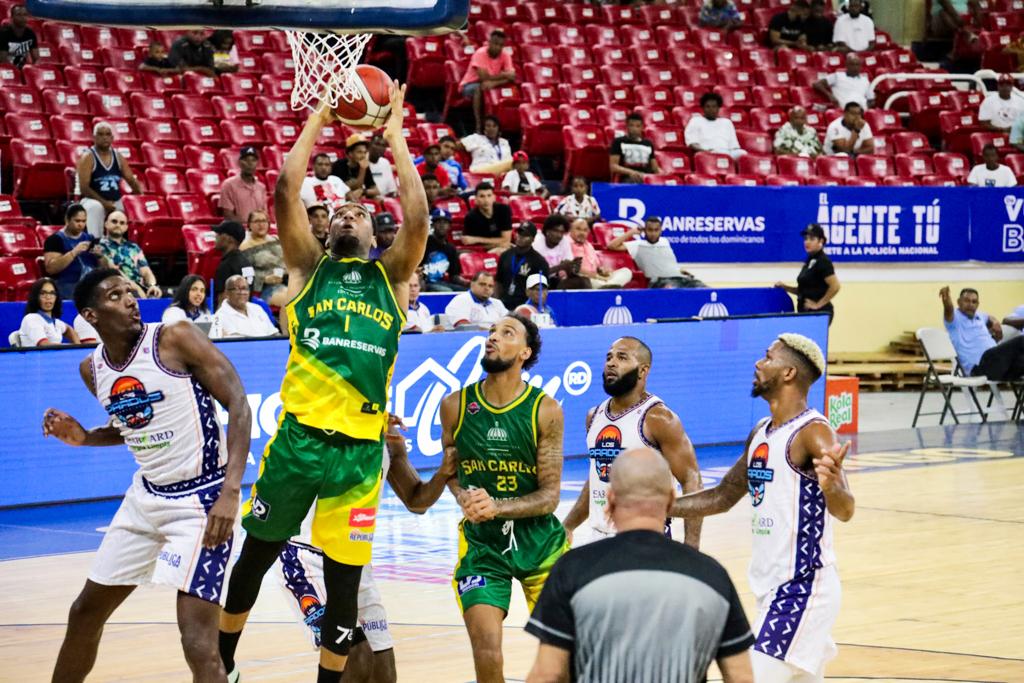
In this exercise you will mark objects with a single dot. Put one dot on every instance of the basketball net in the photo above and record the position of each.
(324, 65)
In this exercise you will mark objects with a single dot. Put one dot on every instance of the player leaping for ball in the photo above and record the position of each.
(344, 319)
(792, 467)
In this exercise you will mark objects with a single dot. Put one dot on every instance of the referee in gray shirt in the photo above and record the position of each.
(639, 607)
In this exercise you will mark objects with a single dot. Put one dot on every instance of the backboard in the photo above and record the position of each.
(419, 17)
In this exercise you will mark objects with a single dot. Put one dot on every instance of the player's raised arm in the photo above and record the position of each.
(667, 431)
(549, 468)
(816, 446)
(406, 253)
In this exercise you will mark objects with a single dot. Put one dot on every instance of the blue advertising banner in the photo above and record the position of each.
(702, 369)
(997, 224)
(762, 224)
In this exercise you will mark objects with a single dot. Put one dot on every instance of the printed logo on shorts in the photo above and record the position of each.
(471, 583)
(260, 509)
(362, 517)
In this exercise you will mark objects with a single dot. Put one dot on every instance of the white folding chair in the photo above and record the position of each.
(938, 348)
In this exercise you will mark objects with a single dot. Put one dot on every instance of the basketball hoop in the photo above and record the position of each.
(324, 66)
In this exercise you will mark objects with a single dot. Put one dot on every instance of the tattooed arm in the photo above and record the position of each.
(581, 508)
(720, 498)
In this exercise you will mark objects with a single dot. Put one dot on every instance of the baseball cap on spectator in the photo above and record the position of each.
(526, 228)
(814, 230)
(232, 229)
(248, 151)
(439, 214)
(521, 156)
(431, 146)
(536, 279)
(384, 221)
(354, 140)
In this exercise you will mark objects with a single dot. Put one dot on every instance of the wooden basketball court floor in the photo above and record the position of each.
(930, 567)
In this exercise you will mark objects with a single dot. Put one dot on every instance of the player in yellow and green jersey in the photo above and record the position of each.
(508, 438)
(344, 319)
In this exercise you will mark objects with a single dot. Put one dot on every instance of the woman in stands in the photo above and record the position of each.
(42, 325)
(189, 302)
(264, 250)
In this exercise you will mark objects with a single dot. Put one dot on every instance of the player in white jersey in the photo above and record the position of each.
(792, 470)
(372, 657)
(631, 418)
(158, 383)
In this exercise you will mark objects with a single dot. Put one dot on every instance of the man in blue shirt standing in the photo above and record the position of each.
(976, 337)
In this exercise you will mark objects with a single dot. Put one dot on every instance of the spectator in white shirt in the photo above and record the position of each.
(849, 134)
(490, 152)
(380, 167)
(520, 180)
(1000, 109)
(991, 173)
(476, 308)
(711, 132)
(239, 317)
(654, 256)
(87, 334)
(417, 316)
(854, 31)
(847, 86)
(580, 204)
(322, 187)
(189, 302)
(42, 325)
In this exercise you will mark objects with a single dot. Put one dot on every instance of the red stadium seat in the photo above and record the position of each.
(202, 159)
(477, 261)
(859, 181)
(527, 208)
(612, 54)
(741, 179)
(68, 153)
(937, 180)
(43, 76)
(28, 126)
(277, 87)
(760, 165)
(21, 100)
(169, 84)
(281, 132)
(612, 116)
(952, 165)
(158, 131)
(152, 226)
(874, 166)
(655, 117)
(577, 94)
(151, 106)
(767, 120)
(542, 129)
(603, 233)
(756, 142)
(109, 104)
(675, 162)
(956, 128)
(165, 181)
(240, 84)
(10, 76)
(204, 181)
(622, 15)
(1015, 161)
(19, 240)
(17, 275)
(543, 12)
(782, 180)
(979, 140)
(667, 138)
(202, 132)
(712, 164)
(201, 84)
(124, 81)
(191, 208)
(57, 32)
(231, 108)
(504, 102)
(913, 165)
(613, 260)
(834, 167)
(910, 142)
(163, 156)
(794, 167)
(10, 210)
(586, 152)
(883, 120)
(203, 258)
(619, 94)
(541, 94)
(657, 15)
(117, 57)
(99, 36)
(453, 98)
(274, 109)
(791, 60)
(38, 175)
(124, 130)
(278, 63)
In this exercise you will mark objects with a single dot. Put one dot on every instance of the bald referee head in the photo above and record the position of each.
(641, 490)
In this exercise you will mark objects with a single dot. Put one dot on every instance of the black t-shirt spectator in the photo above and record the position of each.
(17, 47)
(643, 605)
(810, 283)
(440, 261)
(185, 53)
(818, 31)
(634, 154)
(341, 169)
(513, 269)
(235, 262)
(479, 225)
(788, 29)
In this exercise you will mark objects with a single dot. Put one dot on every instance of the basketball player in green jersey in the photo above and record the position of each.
(508, 438)
(345, 316)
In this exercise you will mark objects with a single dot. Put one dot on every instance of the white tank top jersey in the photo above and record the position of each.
(791, 526)
(168, 420)
(607, 437)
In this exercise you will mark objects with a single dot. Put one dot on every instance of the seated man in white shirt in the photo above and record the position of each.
(654, 256)
(849, 134)
(239, 317)
(711, 132)
(991, 173)
(380, 167)
(476, 308)
(847, 86)
(854, 31)
(322, 187)
(1000, 109)
(417, 316)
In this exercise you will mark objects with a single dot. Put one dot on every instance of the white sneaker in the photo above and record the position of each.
(235, 676)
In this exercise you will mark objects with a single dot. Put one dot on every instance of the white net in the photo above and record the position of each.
(324, 66)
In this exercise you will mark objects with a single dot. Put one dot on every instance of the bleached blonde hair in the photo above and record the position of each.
(806, 347)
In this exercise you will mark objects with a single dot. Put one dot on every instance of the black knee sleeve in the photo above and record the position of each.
(247, 575)
(340, 613)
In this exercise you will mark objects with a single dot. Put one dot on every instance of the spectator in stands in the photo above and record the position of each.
(844, 7)
(536, 307)
(354, 169)
(489, 223)
(978, 338)
(233, 261)
(556, 248)
(189, 302)
(590, 266)
(1000, 109)
(632, 155)
(719, 14)
(1017, 133)
(711, 132)
(193, 52)
(384, 230)
(322, 187)
(448, 148)
(843, 87)
(489, 152)
(418, 317)
(127, 256)
(264, 251)
(87, 334)
(239, 317)
(818, 28)
(157, 60)
(517, 264)
(991, 173)
(225, 56)
(521, 180)
(380, 167)
(431, 165)
(100, 171)
(244, 193)
(476, 308)
(788, 28)
(18, 42)
(42, 325)
(947, 17)
(579, 203)
(431, 188)
(71, 252)
(442, 271)
(850, 133)
(854, 31)
(319, 222)
(796, 137)
(489, 67)
(817, 284)
(654, 256)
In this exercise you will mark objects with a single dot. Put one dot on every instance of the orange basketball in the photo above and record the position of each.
(370, 107)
